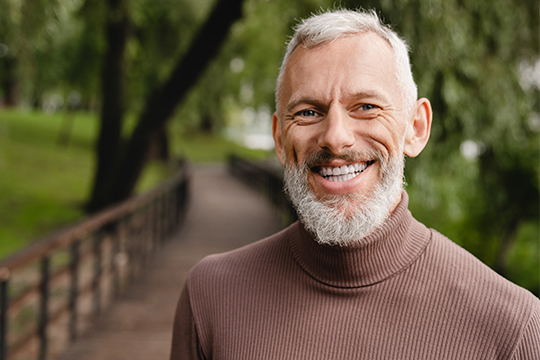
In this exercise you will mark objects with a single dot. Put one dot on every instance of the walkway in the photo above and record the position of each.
(224, 214)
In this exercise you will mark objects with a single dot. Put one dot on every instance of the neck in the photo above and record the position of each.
(380, 255)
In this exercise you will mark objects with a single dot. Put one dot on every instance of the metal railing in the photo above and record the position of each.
(55, 288)
(267, 180)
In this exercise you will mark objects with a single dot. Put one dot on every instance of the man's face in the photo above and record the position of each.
(339, 106)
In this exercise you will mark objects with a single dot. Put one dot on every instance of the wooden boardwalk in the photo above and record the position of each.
(224, 214)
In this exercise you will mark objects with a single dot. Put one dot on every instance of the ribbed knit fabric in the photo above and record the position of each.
(410, 293)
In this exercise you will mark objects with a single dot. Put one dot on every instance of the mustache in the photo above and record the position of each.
(351, 156)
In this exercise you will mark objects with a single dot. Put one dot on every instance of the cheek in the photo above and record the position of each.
(297, 145)
(384, 134)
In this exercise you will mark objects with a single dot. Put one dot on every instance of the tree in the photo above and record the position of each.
(31, 35)
(112, 90)
(120, 181)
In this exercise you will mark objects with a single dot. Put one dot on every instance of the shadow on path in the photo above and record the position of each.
(224, 214)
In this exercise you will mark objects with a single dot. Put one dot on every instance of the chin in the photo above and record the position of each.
(344, 219)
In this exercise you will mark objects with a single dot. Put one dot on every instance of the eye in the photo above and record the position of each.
(368, 107)
(307, 116)
(306, 113)
(365, 111)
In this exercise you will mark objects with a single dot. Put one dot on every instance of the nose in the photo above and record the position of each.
(337, 133)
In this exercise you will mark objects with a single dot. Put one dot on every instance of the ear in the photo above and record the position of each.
(276, 133)
(419, 128)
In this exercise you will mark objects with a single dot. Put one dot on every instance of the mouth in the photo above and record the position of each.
(344, 172)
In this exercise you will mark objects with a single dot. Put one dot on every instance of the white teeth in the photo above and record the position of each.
(342, 173)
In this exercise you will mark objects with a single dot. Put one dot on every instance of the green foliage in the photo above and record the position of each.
(83, 56)
(523, 264)
(35, 33)
(162, 30)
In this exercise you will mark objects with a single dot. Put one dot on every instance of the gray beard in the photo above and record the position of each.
(345, 220)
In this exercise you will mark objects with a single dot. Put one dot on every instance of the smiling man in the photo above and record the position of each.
(346, 115)
(357, 277)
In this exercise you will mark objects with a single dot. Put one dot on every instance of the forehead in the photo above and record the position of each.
(359, 63)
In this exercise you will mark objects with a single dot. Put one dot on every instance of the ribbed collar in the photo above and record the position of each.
(388, 251)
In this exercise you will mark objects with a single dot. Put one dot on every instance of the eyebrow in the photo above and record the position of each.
(303, 100)
(369, 94)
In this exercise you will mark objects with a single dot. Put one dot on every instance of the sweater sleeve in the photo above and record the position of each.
(528, 347)
(185, 342)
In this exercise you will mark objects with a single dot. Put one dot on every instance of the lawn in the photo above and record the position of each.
(46, 168)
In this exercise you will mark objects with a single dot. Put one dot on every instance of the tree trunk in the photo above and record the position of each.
(159, 147)
(207, 124)
(10, 84)
(112, 110)
(162, 103)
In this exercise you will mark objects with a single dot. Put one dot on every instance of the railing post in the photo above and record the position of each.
(4, 280)
(178, 203)
(96, 282)
(136, 243)
(165, 212)
(146, 236)
(44, 316)
(131, 246)
(74, 290)
(164, 215)
(115, 263)
(156, 219)
(168, 212)
(173, 209)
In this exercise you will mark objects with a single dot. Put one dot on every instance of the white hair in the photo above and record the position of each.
(329, 26)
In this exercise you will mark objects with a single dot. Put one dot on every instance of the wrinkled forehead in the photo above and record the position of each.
(358, 62)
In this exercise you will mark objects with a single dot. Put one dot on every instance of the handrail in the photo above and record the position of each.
(266, 180)
(113, 246)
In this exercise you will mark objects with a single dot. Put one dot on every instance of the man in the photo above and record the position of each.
(357, 277)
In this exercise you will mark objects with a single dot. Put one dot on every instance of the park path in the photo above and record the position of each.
(223, 214)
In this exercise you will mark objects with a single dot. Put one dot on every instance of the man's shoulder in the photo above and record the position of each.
(242, 262)
(474, 281)
(485, 303)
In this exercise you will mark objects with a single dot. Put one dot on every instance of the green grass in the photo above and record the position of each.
(43, 184)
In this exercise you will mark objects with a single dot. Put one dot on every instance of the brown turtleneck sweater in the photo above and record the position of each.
(409, 294)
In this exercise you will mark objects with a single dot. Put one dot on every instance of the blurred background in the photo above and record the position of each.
(100, 98)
